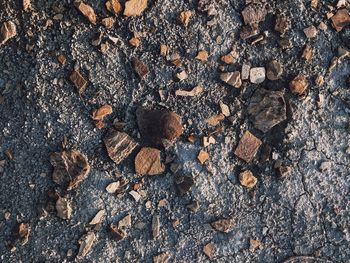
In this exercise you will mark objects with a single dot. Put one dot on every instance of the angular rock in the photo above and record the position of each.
(232, 78)
(100, 113)
(247, 179)
(140, 68)
(202, 55)
(274, 70)
(98, 217)
(78, 80)
(203, 156)
(254, 13)
(257, 75)
(267, 109)
(223, 225)
(308, 53)
(116, 233)
(26, 5)
(340, 19)
(108, 22)
(215, 119)
(310, 31)
(147, 162)
(86, 10)
(299, 84)
(7, 31)
(230, 57)
(158, 127)
(62, 59)
(245, 71)
(284, 171)
(225, 110)
(249, 31)
(70, 168)
(155, 226)
(182, 75)
(282, 24)
(209, 250)
(185, 17)
(247, 147)
(162, 258)
(112, 187)
(183, 184)
(86, 243)
(114, 6)
(194, 92)
(64, 208)
(135, 7)
(125, 222)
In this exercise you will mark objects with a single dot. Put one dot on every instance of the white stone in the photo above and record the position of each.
(257, 75)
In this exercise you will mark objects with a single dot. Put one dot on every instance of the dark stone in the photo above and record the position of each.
(183, 184)
(141, 68)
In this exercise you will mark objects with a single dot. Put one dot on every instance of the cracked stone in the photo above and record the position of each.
(135, 7)
(299, 84)
(247, 147)
(70, 168)
(147, 162)
(274, 70)
(7, 31)
(209, 250)
(267, 109)
(223, 225)
(140, 68)
(114, 6)
(87, 11)
(64, 208)
(184, 184)
(232, 78)
(257, 75)
(247, 179)
(340, 19)
(79, 81)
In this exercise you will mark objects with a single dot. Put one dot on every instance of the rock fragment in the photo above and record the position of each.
(112, 187)
(98, 217)
(267, 109)
(340, 20)
(125, 222)
(140, 68)
(64, 208)
(282, 24)
(70, 168)
(26, 5)
(193, 206)
(108, 22)
(135, 195)
(147, 162)
(209, 250)
(274, 70)
(245, 71)
(185, 17)
(257, 75)
(248, 147)
(224, 225)
(114, 6)
(116, 233)
(249, 31)
(79, 81)
(202, 55)
(225, 110)
(254, 245)
(192, 93)
(254, 13)
(310, 31)
(100, 113)
(162, 258)
(119, 145)
(86, 243)
(203, 156)
(299, 84)
(182, 75)
(7, 31)
(230, 58)
(22, 231)
(61, 59)
(308, 53)
(284, 171)
(215, 119)
(155, 226)
(86, 10)
(183, 184)
(247, 179)
(164, 50)
(135, 42)
(135, 7)
(232, 78)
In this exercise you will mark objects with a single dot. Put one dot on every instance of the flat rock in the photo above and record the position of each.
(223, 225)
(254, 13)
(78, 80)
(155, 226)
(267, 109)
(162, 258)
(299, 84)
(7, 31)
(119, 145)
(135, 7)
(340, 19)
(86, 242)
(232, 78)
(248, 147)
(209, 250)
(140, 68)
(87, 11)
(147, 162)
(116, 233)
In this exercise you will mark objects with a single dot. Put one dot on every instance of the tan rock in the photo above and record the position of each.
(308, 53)
(100, 113)
(63, 208)
(203, 156)
(108, 22)
(257, 75)
(225, 110)
(147, 162)
(62, 59)
(340, 19)
(194, 92)
(248, 147)
(162, 258)
(247, 179)
(202, 55)
(155, 226)
(114, 6)
(98, 217)
(299, 84)
(185, 17)
(282, 24)
(230, 58)
(164, 50)
(310, 31)
(224, 225)
(209, 250)
(232, 78)
(7, 31)
(215, 119)
(86, 242)
(135, 7)
(135, 42)
(79, 81)
(26, 5)
(87, 11)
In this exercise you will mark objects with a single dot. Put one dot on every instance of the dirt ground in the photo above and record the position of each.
(302, 217)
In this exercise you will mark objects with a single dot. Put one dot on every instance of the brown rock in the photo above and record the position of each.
(194, 92)
(163, 50)
(135, 7)
(223, 225)
(119, 145)
(108, 22)
(7, 31)
(114, 6)
(70, 168)
(232, 78)
(299, 84)
(135, 42)
(308, 53)
(62, 59)
(284, 171)
(86, 242)
(209, 250)
(247, 179)
(203, 156)
(254, 13)
(147, 162)
(310, 31)
(79, 81)
(100, 113)
(141, 68)
(116, 233)
(340, 19)
(64, 208)
(183, 184)
(230, 58)
(282, 24)
(184, 17)
(162, 258)
(249, 31)
(158, 127)
(86, 10)
(215, 119)
(248, 147)
(274, 70)
(255, 244)
(155, 226)
(26, 5)
(202, 55)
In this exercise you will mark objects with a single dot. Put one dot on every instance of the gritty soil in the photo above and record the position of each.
(302, 216)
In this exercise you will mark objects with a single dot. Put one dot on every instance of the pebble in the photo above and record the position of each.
(257, 75)
(209, 250)
(299, 84)
(155, 226)
(182, 75)
(135, 195)
(223, 225)
(162, 258)
(147, 162)
(340, 19)
(185, 17)
(245, 71)
(135, 7)
(7, 31)
(78, 80)
(274, 70)
(203, 156)
(232, 78)
(183, 184)
(87, 11)
(310, 31)
(247, 179)
(248, 147)
(114, 6)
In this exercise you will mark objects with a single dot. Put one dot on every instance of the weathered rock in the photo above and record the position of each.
(64, 208)
(140, 68)
(158, 127)
(310, 31)
(86, 242)
(248, 147)
(7, 31)
(125, 222)
(267, 109)
(249, 31)
(274, 70)
(257, 75)
(135, 7)
(215, 119)
(209, 250)
(194, 92)
(203, 156)
(162, 258)
(147, 162)
(230, 58)
(114, 6)
(183, 184)
(155, 226)
(202, 55)
(119, 145)
(299, 84)
(108, 22)
(223, 225)
(185, 17)
(340, 19)
(116, 233)
(254, 13)
(70, 168)
(308, 53)
(86, 10)
(98, 217)
(100, 113)
(79, 81)
(247, 179)
(282, 24)
(232, 78)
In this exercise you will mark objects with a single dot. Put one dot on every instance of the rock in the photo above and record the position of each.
(308, 53)
(108, 22)
(86, 10)
(254, 244)
(100, 113)
(247, 179)
(319, 81)
(70, 168)
(114, 6)
(7, 31)
(182, 75)
(184, 17)
(135, 195)
(223, 225)
(339, 20)
(202, 55)
(135, 42)
(248, 147)
(86, 243)
(249, 31)
(79, 81)
(192, 93)
(183, 184)
(98, 218)
(257, 75)
(112, 187)
(64, 208)
(225, 110)
(274, 70)
(61, 59)
(230, 58)
(208, 140)
(155, 226)
(193, 206)
(232, 78)
(135, 7)
(215, 119)
(164, 50)
(209, 250)
(116, 233)
(310, 31)
(125, 222)
(162, 258)
(203, 156)
(325, 166)
(284, 171)
(22, 231)
(26, 5)
(282, 24)
(245, 71)
(119, 145)
(147, 162)
(158, 127)
(140, 68)
(299, 84)
(267, 109)
(253, 14)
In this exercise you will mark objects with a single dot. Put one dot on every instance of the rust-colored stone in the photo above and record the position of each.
(147, 162)
(248, 147)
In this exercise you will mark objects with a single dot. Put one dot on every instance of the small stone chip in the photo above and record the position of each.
(26, 5)
(155, 226)
(340, 19)
(254, 13)
(284, 171)
(100, 113)
(247, 179)
(125, 222)
(86, 243)
(310, 31)
(182, 75)
(184, 17)
(225, 110)
(223, 225)
(108, 22)
(254, 245)
(194, 92)
(282, 24)
(257, 75)
(135, 195)
(215, 119)
(248, 147)
(135, 7)
(116, 233)
(141, 68)
(245, 71)
(98, 217)
(232, 78)
(209, 250)
(112, 187)
(308, 53)
(86, 10)
(62, 59)
(22, 231)
(135, 42)
(79, 81)
(230, 58)
(202, 55)
(64, 208)
(299, 84)
(7, 31)
(162, 258)
(208, 140)
(274, 70)
(114, 6)
(147, 162)
(203, 156)
(164, 50)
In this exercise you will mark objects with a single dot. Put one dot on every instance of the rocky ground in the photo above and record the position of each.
(295, 208)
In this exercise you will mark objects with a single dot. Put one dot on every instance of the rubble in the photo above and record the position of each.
(98, 217)
(202, 55)
(155, 226)
(116, 233)
(310, 31)
(86, 243)
(232, 78)
(282, 24)
(162, 258)
(100, 113)
(230, 58)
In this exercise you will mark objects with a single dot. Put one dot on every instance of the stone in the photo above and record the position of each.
(253, 14)
(135, 7)
(61, 59)
(86, 10)
(310, 31)
(183, 184)
(162, 258)
(274, 70)
(314, 3)
(324, 166)
(245, 71)
(147, 162)
(340, 19)
(164, 50)
(247, 179)
(112, 187)
(64, 208)
(284, 171)
(247, 147)
(135, 195)
(86, 242)
(202, 55)
(108, 22)
(225, 110)
(192, 93)
(100, 113)
(114, 6)
(70, 168)
(299, 84)
(203, 156)
(182, 75)
(308, 53)
(282, 24)
(116, 233)
(155, 226)
(135, 42)
(230, 58)
(98, 217)
(158, 127)
(249, 31)
(209, 250)
(185, 17)
(140, 68)
(79, 81)
(26, 5)
(267, 109)
(7, 31)
(215, 119)
(208, 140)
(232, 78)
(257, 75)
(119, 145)
(224, 225)
(125, 222)
(254, 244)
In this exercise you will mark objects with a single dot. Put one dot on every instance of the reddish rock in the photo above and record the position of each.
(147, 162)
(248, 147)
